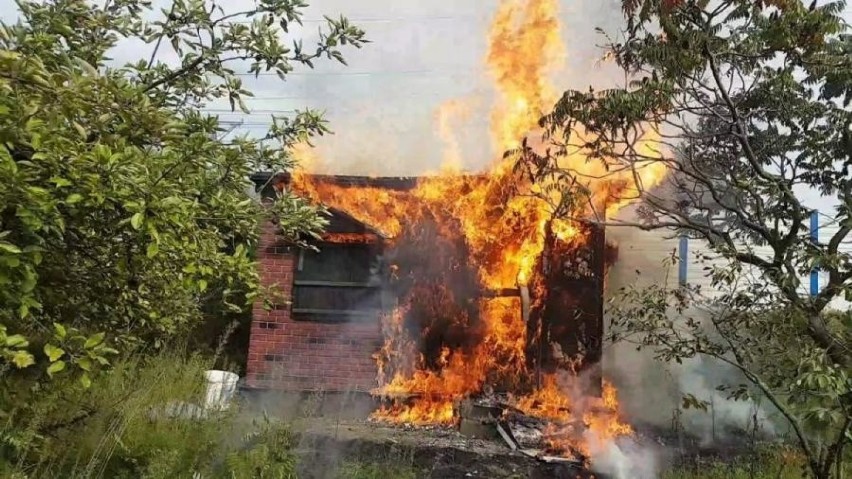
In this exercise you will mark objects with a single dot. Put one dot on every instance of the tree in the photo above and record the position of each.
(124, 207)
(750, 102)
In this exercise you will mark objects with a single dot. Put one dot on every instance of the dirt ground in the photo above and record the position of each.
(438, 453)
(333, 429)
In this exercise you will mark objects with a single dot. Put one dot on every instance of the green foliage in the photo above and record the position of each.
(267, 453)
(142, 419)
(14, 349)
(72, 431)
(124, 208)
(745, 104)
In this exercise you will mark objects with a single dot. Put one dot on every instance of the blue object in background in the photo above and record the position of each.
(815, 239)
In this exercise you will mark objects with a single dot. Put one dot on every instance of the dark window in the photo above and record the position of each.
(345, 263)
(338, 283)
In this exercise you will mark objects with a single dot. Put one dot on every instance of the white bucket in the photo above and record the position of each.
(221, 386)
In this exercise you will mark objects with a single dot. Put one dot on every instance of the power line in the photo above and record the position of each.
(467, 72)
(252, 112)
(355, 20)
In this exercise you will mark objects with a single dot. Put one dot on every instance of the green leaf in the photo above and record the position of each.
(74, 198)
(94, 341)
(60, 182)
(55, 368)
(86, 381)
(29, 283)
(85, 364)
(17, 341)
(9, 248)
(152, 250)
(202, 285)
(33, 124)
(53, 353)
(22, 359)
(60, 330)
(87, 67)
(136, 221)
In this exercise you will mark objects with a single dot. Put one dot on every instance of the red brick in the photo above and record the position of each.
(342, 361)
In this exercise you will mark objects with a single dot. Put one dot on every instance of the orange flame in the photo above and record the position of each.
(524, 47)
(549, 401)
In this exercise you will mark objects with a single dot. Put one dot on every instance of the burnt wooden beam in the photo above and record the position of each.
(501, 293)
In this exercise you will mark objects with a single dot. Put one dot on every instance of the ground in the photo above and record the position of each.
(334, 430)
(434, 452)
(336, 439)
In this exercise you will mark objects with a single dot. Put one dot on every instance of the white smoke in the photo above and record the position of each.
(625, 458)
(651, 391)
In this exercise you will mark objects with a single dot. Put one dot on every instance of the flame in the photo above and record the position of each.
(380, 208)
(601, 421)
(524, 47)
(503, 222)
(548, 401)
(349, 238)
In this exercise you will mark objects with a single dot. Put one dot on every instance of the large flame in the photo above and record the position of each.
(524, 48)
(503, 223)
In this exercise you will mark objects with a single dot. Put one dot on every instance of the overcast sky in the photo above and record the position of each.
(424, 53)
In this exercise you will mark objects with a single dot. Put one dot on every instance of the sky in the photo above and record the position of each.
(423, 54)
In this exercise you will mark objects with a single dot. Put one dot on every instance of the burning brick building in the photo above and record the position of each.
(432, 290)
(327, 332)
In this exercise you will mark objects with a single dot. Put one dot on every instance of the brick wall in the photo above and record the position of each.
(301, 355)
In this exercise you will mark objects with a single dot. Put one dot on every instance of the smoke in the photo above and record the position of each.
(625, 458)
(651, 391)
(609, 450)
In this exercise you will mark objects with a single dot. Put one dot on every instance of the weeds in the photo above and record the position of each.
(143, 419)
(775, 462)
(376, 470)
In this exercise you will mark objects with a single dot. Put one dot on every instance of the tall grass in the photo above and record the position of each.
(143, 419)
(770, 462)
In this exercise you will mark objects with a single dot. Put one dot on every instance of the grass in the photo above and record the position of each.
(738, 470)
(127, 429)
(775, 463)
(127, 435)
(376, 470)
(779, 462)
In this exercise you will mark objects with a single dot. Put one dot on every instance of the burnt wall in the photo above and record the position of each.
(565, 329)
